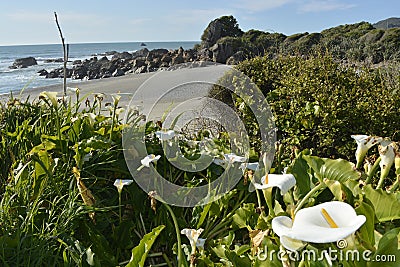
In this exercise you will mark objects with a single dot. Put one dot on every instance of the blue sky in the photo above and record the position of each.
(32, 22)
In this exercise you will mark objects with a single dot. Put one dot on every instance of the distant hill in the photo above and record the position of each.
(388, 23)
(224, 42)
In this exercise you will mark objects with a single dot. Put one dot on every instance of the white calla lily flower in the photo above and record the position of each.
(119, 184)
(149, 159)
(250, 166)
(283, 181)
(229, 159)
(324, 223)
(193, 236)
(364, 143)
(387, 155)
(165, 135)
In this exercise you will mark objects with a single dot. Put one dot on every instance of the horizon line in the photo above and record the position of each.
(105, 42)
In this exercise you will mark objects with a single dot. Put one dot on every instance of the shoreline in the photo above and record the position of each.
(125, 85)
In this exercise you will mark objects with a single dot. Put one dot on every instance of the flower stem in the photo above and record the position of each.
(395, 184)
(309, 194)
(178, 235)
(258, 199)
(268, 199)
(120, 207)
(372, 171)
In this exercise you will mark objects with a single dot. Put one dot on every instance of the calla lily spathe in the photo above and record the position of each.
(119, 184)
(193, 236)
(229, 159)
(165, 135)
(283, 181)
(149, 159)
(311, 225)
(387, 154)
(250, 166)
(364, 143)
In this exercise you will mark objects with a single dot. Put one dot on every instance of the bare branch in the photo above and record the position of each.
(65, 53)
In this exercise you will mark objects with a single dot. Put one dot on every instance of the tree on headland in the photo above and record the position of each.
(218, 28)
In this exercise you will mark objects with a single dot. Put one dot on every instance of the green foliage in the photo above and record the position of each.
(318, 104)
(139, 253)
(46, 222)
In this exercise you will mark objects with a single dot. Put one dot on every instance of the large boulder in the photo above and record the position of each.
(221, 52)
(178, 59)
(140, 53)
(123, 55)
(158, 52)
(53, 60)
(23, 63)
(236, 58)
(118, 72)
(42, 72)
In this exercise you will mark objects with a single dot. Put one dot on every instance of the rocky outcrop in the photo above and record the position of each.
(143, 61)
(25, 62)
(53, 60)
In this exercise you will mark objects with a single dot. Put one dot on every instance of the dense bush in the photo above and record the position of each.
(319, 103)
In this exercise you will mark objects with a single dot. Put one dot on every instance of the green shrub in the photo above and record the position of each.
(319, 103)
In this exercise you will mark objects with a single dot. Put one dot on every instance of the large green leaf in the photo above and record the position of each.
(386, 205)
(388, 251)
(367, 229)
(245, 217)
(333, 169)
(139, 253)
(299, 169)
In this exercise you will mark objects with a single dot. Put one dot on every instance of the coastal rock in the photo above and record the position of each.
(221, 52)
(189, 55)
(111, 53)
(140, 53)
(77, 62)
(118, 72)
(59, 73)
(123, 55)
(212, 34)
(20, 63)
(180, 51)
(53, 60)
(79, 72)
(178, 59)
(142, 69)
(166, 58)
(158, 52)
(42, 72)
(236, 58)
(205, 54)
(137, 63)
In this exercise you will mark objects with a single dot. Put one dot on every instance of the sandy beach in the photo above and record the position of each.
(125, 85)
(154, 92)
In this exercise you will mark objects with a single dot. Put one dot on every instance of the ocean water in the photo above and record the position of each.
(17, 79)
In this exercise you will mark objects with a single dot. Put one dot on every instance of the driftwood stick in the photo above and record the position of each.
(65, 53)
